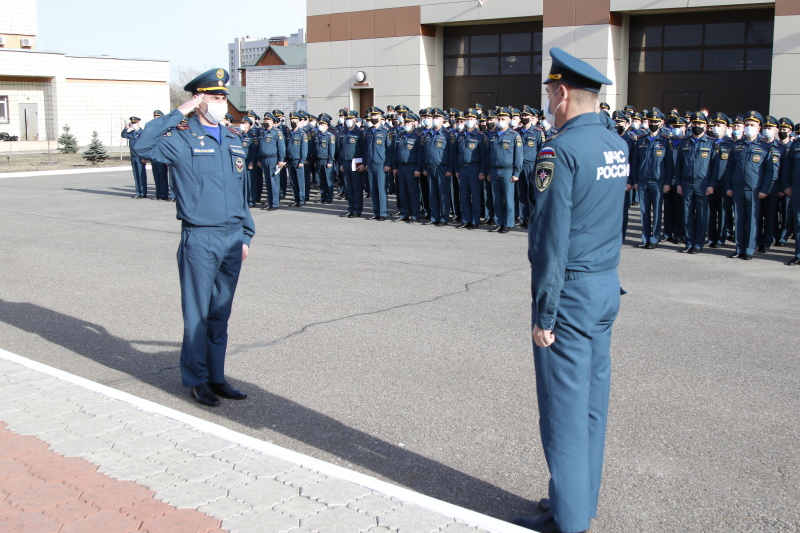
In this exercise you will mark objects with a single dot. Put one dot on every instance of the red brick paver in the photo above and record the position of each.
(42, 491)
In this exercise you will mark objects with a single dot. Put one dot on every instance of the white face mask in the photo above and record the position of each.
(471, 123)
(215, 112)
(502, 124)
(677, 132)
(460, 126)
(550, 116)
(427, 122)
(341, 120)
(750, 131)
(409, 127)
(349, 123)
(718, 131)
(737, 134)
(323, 128)
(769, 134)
(514, 122)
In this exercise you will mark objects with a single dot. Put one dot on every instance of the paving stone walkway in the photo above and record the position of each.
(77, 456)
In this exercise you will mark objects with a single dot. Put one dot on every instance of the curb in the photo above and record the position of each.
(60, 172)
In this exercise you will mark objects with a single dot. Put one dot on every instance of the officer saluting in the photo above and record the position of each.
(208, 165)
(573, 247)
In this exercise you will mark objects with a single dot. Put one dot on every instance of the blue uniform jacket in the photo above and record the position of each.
(532, 140)
(407, 148)
(250, 146)
(132, 137)
(651, 160)
(505, 152)
(272, 144)
(790, 177)
(438, 149)
(208, 177)
(473, 149)
(720, 162)
(693, 163)
(377, 146)
(325, 147)
(297, 146)
(779, 156)
(350, 145)
(750, 167)
(579, 188)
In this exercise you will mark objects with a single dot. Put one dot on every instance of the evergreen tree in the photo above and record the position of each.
(95, 152)
(68, 143)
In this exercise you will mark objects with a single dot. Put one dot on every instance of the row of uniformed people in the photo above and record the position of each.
(722, 179)
(161, 177)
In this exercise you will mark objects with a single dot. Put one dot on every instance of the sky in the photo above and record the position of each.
(190, 34)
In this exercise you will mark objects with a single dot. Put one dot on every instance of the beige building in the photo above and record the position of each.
(42, 91)
(729, 56)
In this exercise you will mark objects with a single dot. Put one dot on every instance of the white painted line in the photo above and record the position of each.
(35, 173)
(447, 509)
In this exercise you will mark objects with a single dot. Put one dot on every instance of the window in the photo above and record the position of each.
(3, 109)
(518, 52)
(735, 42)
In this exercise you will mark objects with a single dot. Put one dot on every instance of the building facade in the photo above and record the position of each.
(40, 91)
(277, 79)
(245, 51)
(726, 55)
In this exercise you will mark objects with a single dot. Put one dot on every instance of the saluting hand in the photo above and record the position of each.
(543, 337)
(191, 105)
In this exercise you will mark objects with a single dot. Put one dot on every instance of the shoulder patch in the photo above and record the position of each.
(233, 130)
(546, 153)
(544, 175)
(519, 142)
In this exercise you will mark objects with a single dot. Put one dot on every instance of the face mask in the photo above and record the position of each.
(698, 130)
(550, 116)
(736, 134)
(491, 125)
(654, 127)
(341, 120)
(471, 123)
(620, 129)
(408, 127)
(438, 123)
(719, 131)
(427, 122)
(313, 124)
(215, 112)
(323, 128)
(460, 127)
(783, 135)
(293, 124)
(750, 131)
(502, 124)
(545, 125)
(375, 121)
(677, 132)
(349, 123)
(482, 127)
(769, 135)
(514, 123)
(525, 120)
(637, 125)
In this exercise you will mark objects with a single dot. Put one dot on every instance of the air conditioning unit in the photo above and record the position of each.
(25, 43)
(2, 40)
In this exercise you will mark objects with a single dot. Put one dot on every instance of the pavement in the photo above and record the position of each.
(402, 353)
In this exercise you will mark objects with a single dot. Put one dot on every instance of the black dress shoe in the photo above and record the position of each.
(543, 523)
(203, 394)
(760, 249)
(746, 257)
(348, 215)
(735, 255)
(412, 219)
(272, 208)
(544, 503)
(463, 225)
(794, 261)
(696, 250)
(226, 391)
(686, 250)
(405, 219)
(765, 250)
(714, 245)
(503, 229)
(643, 245)
(471, 226)
(524, 225)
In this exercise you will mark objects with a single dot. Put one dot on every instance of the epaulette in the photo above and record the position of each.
(234, 130)
(182, 126)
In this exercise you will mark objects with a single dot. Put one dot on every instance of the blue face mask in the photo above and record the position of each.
(677, 132)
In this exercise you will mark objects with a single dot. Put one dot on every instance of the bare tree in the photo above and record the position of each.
(179, 77)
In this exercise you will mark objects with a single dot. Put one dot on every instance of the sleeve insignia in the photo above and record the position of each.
(546, 153)
(519, 142)
(756, 158)
(544, 175)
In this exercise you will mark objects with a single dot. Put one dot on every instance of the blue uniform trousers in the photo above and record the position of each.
(522, 193)
(308, 172)
(273, 180)
(139, 175)
(256, 185)
(487, 200)
(377, 180)
(325, 179)
(284, 175)
(470, 189)
(439, 185)
(425, 194)
(719, 208)
(785, 227)
(695, 216)
(354, 187)
(209, 261)
(795, 203)
(747, 207)
(572, 388)
(455, 198)
(408, 188)
(673, 215)
(160, 178)
(767, 217)
(650, 198)
(626, 204)
(503, 190)
(298, 178)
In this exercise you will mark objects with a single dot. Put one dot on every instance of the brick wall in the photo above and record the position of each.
(278, 87)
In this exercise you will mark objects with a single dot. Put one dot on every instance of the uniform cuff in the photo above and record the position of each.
(546, 322)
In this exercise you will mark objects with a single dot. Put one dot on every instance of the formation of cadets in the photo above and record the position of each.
(699, 179)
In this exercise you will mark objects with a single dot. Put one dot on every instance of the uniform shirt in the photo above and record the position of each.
(272, 144)
(505, 152)
(132, 137)
(325, 147)
(790, 178)
(719, 164)
(407, 148)
(473, 149)
(350, 145)
(439, 149)
(579, 189)
(377, 146)
(250, 142)
(750, 167)
(693, 163)
(779, 151)
(297, 146)
(532, 140)
(651, 159)
(208, 177)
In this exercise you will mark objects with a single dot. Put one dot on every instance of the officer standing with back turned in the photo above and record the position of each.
(574, 248)
(210, 181)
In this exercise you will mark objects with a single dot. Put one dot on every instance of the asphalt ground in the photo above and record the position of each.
(403, 351)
